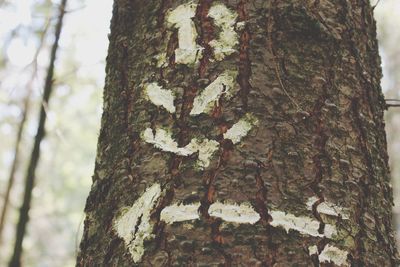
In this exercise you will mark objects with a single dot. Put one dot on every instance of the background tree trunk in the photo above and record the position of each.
(293, 130)
(25, 110)
(23, 219)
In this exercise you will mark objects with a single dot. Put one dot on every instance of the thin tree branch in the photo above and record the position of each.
(392, 102)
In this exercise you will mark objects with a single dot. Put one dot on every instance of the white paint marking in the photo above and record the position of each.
(241, 128)
(160, 97)
(333, 254)
(225, 19)
(304, 225)
(161, 60)
(312, 250)
(223, 84)
(163, 140)
(180, 213)
(206, 149)
(181, 18)
(243, 213)
(127, 224)
(240, 25)
(330, 254)
(328, 208)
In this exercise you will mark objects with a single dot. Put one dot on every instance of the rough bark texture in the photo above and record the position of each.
(309, 71)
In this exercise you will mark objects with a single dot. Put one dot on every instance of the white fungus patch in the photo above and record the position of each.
(228, 38)
(162, 139)
(160, 97)
(180, 213)
(241, 128)
(243, 213)
(302, 224)
(330, 254)
(134, 226)
(328, 208)
(223, 84)
(188, 52)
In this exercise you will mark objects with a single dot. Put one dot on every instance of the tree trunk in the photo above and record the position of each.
(15, 260)
(241, 133)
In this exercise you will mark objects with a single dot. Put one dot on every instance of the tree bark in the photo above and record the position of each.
(15, 260)
(241, 133)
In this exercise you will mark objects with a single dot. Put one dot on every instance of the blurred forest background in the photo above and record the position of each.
(63, 177)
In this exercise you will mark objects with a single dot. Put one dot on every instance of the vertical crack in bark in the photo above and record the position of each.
(244, 58)
(243, 80)
(172, 38)
(321, 141)
(262, 194)
(170, 55)
(219, 241)
(225, 147)
(206, 33)
(262, 209)
(139, 221)
(205, 36)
